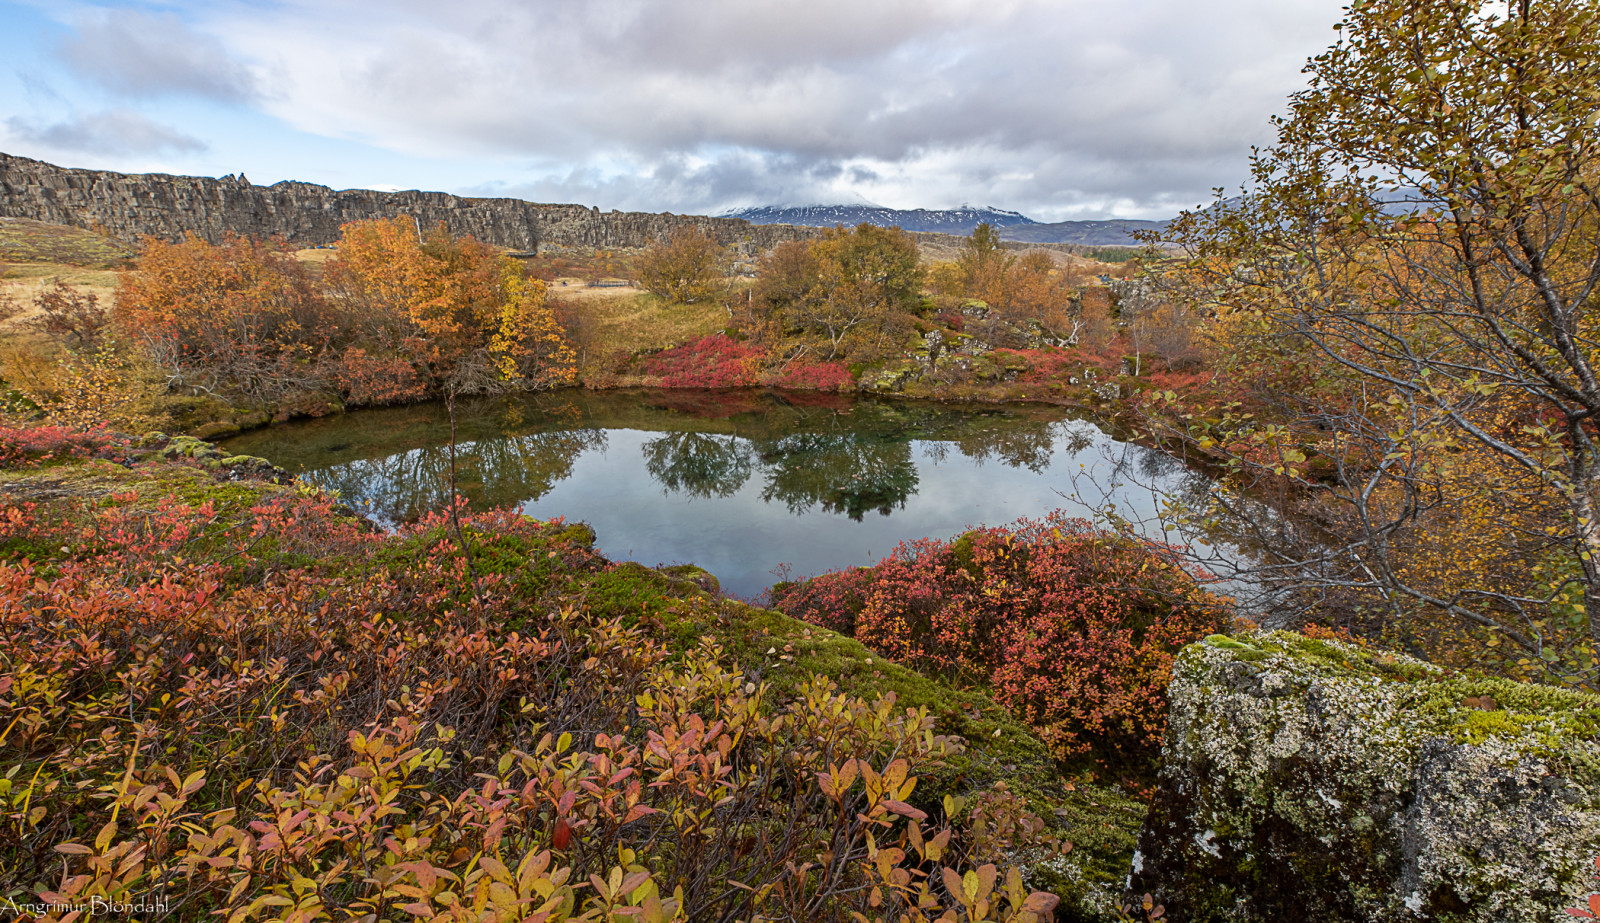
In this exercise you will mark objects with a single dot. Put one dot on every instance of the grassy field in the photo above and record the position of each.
(26, 241)
(606, 323)
(34, 255)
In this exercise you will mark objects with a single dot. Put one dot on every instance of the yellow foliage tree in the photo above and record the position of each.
(469, 319)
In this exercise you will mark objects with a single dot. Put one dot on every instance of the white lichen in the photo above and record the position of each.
(1456, 807)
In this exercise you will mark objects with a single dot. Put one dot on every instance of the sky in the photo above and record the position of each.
(1060, 109)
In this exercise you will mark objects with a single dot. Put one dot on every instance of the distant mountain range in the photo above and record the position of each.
(948, 221)
(1113, 232)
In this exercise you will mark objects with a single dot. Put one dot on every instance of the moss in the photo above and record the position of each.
(1451, 795)
(215, 429)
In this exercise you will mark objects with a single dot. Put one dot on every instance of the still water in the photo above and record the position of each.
(747, 485)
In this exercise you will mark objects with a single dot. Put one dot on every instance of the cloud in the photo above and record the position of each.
(137, 54)
(1048, 106)
(1058, 108)
(113, 132)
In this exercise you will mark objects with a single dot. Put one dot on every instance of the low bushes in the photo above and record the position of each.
(712, 362)
(1073, 628)
(229, 700)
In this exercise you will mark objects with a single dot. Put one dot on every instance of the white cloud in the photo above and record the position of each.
(1053, 107)
(113, 132)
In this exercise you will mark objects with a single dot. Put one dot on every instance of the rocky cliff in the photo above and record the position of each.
(130, 207)
(1310, 780)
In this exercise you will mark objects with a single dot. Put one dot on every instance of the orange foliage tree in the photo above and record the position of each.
(401, 316)
(241, 317)
(468, 319)
(1415, 270)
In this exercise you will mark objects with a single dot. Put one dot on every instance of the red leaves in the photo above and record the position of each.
(823, 376)
(25, 446)
(713, 362)
(1073, 628)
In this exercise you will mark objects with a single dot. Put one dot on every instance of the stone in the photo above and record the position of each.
(129, 207)
(1306, 779)
(216, 429)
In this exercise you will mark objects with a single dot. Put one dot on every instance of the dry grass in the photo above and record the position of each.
(606, 323)
(26, 241)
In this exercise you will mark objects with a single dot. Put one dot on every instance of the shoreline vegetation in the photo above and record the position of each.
(224, 695)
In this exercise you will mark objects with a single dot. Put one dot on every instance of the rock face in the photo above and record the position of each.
(1311, 780)
(130, 207)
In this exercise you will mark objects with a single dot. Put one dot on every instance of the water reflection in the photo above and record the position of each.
(398, 487)
(738, 483)
(699, 464)
(840, 472)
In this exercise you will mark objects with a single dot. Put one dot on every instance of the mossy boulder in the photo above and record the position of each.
(160, 446)
(1312, 780)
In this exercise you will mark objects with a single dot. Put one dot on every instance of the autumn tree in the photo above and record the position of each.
(466, 318)
(1417, 264)
(1036, 290)
(985, 265)
(688, 267)
(849, 294)
(238, 318)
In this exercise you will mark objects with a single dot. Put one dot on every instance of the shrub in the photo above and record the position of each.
(28, 446)
(243, 317)
(242, 704)
(1073, 628)
(711, 362)
(822, 376)
(832, 600)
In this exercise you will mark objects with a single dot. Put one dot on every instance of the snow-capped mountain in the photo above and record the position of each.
(1111, 232)
(949, 221)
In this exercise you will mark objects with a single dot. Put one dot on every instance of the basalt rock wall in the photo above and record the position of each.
(130, 207)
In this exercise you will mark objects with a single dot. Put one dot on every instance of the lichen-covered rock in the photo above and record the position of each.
(222, 466)
(888, 380)
(1311, 780)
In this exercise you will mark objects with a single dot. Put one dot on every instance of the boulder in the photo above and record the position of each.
(1308, 779)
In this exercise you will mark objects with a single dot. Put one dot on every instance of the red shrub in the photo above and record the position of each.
(826, 376)
(1075, 629)
(367, 380)
(31, 445)
(832, 600)
(713, 362)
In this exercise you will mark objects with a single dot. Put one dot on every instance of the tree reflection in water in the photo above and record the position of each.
(842, 455)
(699, 464)
(491, 472)
(841, 472)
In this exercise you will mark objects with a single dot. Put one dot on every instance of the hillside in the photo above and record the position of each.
(128, 207)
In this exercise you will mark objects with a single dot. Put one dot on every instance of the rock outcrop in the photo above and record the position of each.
(129, 207)
(1311, 780)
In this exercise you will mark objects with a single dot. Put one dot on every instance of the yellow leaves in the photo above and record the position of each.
(477, 321)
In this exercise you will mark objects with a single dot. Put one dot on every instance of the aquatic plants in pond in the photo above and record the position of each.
(1072, 627)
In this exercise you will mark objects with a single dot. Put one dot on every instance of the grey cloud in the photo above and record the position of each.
(139, 54)
(114, 132)
(1070, 105)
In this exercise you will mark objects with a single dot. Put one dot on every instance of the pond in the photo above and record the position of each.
(750, 485)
